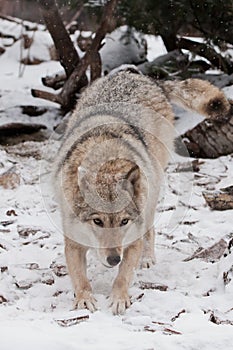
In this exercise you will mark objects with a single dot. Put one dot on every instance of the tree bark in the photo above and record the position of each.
(96, 67)
(66, 98)
(67, 53)
(169, 40)
(210, 139)
(70, 86)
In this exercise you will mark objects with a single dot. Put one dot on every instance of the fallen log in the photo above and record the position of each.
(14, 133)
(210, 138)
(13, 129)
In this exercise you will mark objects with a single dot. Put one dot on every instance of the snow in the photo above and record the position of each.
(156, 47)
(37, 295)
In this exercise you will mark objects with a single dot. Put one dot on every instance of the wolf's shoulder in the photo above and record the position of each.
(123, 86)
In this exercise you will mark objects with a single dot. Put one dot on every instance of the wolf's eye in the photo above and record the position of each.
(124, 222)
(98, 222)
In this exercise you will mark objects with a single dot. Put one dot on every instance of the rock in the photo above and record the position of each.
(123, 45)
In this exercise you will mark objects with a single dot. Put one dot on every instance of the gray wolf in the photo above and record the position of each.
(109, 170)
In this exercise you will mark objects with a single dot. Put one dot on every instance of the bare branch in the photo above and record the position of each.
(208, 52)
(46, 96)
(67, 96)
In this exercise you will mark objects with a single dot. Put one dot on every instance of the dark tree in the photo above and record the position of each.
(211, 19)
(68, 55)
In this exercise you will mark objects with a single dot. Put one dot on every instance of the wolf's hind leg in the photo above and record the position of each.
(76, 263)
(148, 253)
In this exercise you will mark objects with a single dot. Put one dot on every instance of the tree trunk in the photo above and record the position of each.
(169, 40)
(96, 66)
(66, 97)
(209, 139)
(67, 53)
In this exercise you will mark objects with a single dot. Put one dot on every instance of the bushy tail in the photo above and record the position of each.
(199, 96)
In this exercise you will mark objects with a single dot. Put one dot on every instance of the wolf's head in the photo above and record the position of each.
(109, 206)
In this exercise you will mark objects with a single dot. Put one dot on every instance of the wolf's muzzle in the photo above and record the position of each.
(113, 260)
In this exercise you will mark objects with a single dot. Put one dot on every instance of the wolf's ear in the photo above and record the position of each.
(82, 178)
(133, 175)
(81, 172)
(132, 181)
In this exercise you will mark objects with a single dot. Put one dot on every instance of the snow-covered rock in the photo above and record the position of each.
(123, 45)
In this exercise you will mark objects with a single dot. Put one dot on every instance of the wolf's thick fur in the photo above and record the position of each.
(109, 169)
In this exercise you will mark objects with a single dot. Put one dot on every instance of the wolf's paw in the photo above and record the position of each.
(85, 300)
(148, 262)
(119, 302)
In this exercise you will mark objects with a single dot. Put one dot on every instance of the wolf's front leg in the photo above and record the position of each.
(119, 299)
(76, 263)
(148, 253)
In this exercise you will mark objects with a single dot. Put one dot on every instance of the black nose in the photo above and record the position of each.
(113, 260)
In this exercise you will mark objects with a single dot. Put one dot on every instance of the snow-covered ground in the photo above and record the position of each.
(180, 303)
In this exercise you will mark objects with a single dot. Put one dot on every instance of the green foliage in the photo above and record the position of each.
(212, 18)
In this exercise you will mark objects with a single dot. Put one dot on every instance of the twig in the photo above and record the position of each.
(74, 18)
(72, 321)
(208, 52)
(154, 286)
